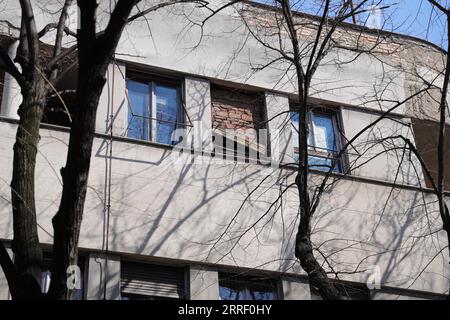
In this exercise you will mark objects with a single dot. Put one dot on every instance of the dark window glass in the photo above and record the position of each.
(235, 287)
(58, 114)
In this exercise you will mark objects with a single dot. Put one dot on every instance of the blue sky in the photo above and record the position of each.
(413, 17)
(418, 18)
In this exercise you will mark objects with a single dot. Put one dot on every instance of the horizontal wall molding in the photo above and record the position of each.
(200, 153)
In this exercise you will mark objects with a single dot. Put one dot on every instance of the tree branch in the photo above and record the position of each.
(29, 24)
(8, 268)
(10, 67)
(51, 26)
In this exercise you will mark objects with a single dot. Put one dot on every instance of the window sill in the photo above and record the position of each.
(289, 166)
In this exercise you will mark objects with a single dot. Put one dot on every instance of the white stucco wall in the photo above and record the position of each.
(372, 156)
(11, 96)
(203, 283)
(114, 102)
(167, 209)
(226, 51)
(294, 289)
(4, 289)
(103, 277)
(280, 128)
(164, 208)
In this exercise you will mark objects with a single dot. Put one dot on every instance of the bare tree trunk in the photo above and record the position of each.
(67, 222)
(94, 55)
(303, 246)
(25, 245)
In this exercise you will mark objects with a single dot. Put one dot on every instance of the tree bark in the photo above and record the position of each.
(25, 245)
(67, 221)
(303, 246)
(95, 52)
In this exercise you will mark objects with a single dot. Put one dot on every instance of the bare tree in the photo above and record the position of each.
(95, 51)
(282, 33)
(36, 79)
(305, 66)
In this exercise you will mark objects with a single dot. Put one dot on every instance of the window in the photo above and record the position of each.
(237, 117)
(142, 281)
(61, 105)
(323, 140)
(155, 110)
(56, 113)
(237, 287)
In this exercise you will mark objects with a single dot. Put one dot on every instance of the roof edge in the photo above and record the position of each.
(353, 26)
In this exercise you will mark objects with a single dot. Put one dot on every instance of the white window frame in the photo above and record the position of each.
(152, 119)
(314, 151)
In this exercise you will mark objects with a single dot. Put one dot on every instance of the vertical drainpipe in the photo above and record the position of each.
(11, 98)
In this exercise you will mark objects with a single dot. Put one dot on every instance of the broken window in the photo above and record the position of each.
(237, 118)
(59, 108)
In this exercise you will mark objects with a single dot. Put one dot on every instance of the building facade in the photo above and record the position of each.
(190, 188)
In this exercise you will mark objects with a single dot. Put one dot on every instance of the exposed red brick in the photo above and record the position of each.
(234, 115)
(235, 109)
(221, 114)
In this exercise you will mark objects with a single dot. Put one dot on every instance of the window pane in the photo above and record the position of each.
(232, 287)
(323, 132)
(295, 124)
(322, 164)
(138, 114)
(45, 280)
(321, 142)
(167, 109)
(227, 293)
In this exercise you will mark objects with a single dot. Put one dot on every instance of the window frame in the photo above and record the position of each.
(152, 82)
(136, 263)
(335, 115)
(246, 279)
